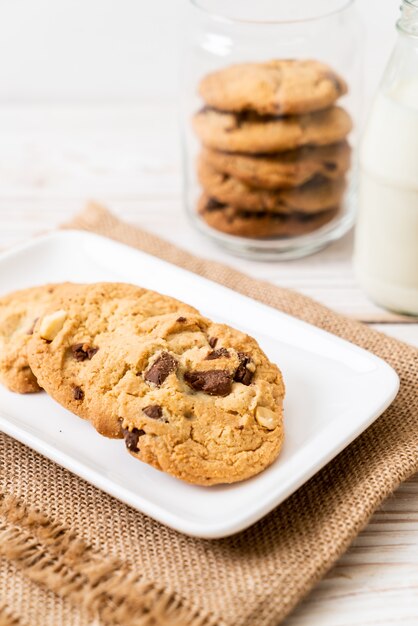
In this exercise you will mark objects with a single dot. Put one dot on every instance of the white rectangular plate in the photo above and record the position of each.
(334, 391)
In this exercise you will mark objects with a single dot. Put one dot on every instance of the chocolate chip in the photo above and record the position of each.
(316, 181)
(82, 351)
(213, 205)
(335, 81)
(78, 393)
(78, 352)
(181, 319)
(242, 374)
(249, 115)
(212, 382)
(331, 167)
(212, 341)
(247, 378)
(240, 119)
(32, 328)
(154, 411)
(160, 369)
(217, 354)
(131, 438)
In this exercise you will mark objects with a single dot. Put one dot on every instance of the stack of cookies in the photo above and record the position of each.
(275, 154)
(196, 399)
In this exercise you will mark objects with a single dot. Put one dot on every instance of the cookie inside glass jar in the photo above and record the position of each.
(274, 151)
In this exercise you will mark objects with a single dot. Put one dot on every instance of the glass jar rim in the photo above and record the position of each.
(224, 16)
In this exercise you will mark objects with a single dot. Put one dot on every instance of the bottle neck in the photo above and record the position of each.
(408, 22)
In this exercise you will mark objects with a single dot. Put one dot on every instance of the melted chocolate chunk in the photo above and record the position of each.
(32, 328)
(160, 369)
(181, 319)
(242, 374)
(82, 351)
(212, 341)
(154, 411)
(212, 382)
(78, 393)
(217, 354)
(131, 438)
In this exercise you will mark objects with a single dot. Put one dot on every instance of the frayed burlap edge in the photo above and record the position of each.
(52, 556)
(7, 618)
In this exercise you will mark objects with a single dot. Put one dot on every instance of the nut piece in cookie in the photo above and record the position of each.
(51, 324)
(19, 314)
(266, 418)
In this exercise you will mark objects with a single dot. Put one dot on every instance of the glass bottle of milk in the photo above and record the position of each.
(386, 248)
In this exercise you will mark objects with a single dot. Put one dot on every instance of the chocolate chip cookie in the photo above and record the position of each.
(67, 351)
(248, 132)
(196, 399)
(277, 87)
(206, 406)
(283, 169)
(18, 314)
(317, 195)
(260, 224)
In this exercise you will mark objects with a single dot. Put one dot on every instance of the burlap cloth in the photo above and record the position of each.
(73, 555)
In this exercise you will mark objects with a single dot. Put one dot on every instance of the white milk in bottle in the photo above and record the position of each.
(386, 250)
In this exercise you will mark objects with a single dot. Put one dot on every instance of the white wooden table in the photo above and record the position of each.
(53, 158)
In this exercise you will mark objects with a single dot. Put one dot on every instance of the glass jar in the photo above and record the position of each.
(386, 246)
(269, 97)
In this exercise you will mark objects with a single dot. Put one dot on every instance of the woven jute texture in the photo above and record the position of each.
(72, 555)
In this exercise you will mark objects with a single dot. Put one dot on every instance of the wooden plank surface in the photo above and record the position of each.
(53, 158)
